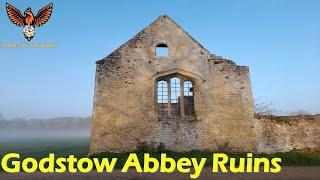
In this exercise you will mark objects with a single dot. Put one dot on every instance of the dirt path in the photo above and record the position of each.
(291, 172)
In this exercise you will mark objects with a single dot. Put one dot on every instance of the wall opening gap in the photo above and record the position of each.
(162, 50)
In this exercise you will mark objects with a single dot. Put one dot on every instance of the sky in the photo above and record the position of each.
(278, 39)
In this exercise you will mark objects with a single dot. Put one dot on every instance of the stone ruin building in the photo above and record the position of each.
(164, 87)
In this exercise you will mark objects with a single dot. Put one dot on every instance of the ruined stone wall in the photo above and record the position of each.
(227, 107)
(124, 113)
(286, 133)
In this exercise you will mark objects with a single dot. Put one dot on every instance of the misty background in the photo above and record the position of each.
(44, 128)
(47, 89)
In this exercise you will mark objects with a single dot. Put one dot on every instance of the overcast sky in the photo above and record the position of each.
(278, 39)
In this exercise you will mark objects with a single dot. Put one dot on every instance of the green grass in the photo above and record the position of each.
(40, 147)
(288, 158)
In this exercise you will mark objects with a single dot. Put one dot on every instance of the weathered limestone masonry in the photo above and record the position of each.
(286, 133)
(215, 113)
(126, 111)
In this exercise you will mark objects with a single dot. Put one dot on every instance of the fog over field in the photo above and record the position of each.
(39, 137)
(43, 128)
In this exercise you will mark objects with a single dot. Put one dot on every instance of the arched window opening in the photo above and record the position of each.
(188, 98)
(162, 50)
(175, 95)
(162, 99)
(170, 102)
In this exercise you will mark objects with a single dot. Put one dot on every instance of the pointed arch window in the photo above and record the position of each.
(188, 98)
(162, 97)
(175, 96)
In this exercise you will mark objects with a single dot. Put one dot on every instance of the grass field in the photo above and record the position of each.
(39, 147)
(288, 158)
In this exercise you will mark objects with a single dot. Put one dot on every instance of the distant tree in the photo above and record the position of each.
(2, 122)
(262, 108)
(299, 112)
(1, 117)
